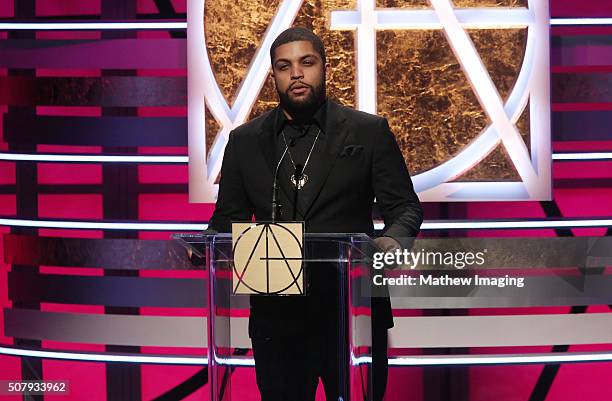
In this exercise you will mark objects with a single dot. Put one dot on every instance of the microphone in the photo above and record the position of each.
(292, 142)
(275, 205)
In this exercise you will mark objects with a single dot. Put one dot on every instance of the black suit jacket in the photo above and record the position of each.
(356, 161)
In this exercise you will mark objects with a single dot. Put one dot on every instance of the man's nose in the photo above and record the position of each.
(297, 72)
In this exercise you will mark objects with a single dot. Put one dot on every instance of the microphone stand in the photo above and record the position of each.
(276, 206)
(298, 179)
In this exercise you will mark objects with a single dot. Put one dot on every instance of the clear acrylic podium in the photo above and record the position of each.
(229, 353)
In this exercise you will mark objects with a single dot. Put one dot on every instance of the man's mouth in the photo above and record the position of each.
(299, 89)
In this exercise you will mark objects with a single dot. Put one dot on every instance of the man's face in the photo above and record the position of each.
(299, 75)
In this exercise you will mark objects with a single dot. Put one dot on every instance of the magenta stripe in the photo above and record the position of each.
(589, 55)
(100, 54)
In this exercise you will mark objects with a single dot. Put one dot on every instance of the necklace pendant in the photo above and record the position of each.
(300, 184)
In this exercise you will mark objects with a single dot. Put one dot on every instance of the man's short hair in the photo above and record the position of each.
(296, 34)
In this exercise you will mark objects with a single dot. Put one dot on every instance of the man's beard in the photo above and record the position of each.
(305, 107)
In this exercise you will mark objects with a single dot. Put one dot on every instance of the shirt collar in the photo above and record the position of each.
(318, 118)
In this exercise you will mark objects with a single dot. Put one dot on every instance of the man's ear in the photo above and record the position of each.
(272, 78)
(327, 72)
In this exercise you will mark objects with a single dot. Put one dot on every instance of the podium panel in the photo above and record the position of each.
(334, 305)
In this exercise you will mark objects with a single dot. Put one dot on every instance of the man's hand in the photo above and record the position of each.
(387, 244)
(195, 259)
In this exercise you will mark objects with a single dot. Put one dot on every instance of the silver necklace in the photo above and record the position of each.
(300, 184)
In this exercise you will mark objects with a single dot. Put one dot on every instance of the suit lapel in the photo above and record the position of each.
(267, 143)
(324, 157)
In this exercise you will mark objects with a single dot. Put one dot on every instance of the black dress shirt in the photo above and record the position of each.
(300, 138)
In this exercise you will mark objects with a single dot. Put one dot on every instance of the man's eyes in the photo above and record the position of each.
(283, 67)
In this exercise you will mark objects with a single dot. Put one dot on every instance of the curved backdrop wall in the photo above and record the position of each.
(94, 135)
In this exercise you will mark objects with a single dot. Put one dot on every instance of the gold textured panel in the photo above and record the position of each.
(523, 124)
(422, 89)
(457, 3)
(501, 51)
(423, 92)
(234, 30)
(497, 166)
(212, 127)
(402, 4)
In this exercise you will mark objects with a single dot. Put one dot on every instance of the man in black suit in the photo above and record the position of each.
(341, 160)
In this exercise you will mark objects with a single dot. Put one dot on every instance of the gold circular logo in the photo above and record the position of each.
(268, 259)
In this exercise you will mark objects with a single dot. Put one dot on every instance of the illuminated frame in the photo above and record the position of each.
(532, 86)
(428, 360)
(427, 224)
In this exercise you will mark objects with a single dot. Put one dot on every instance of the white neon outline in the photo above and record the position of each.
(427, 225)
(580, 21)
(185, 159)
(517, 224)
(91, 225)
(583, 156)
(387, 18)
(501, 359)
(408, 19)
(229, 361)
(433, 184)
(397, 361)
(93, 357)
(69, 26)
(91, 158)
